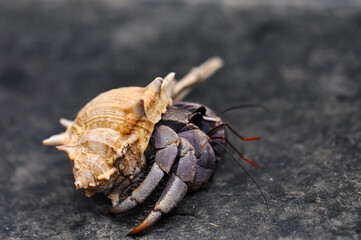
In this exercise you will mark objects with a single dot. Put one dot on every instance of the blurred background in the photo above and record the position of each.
(301, 59)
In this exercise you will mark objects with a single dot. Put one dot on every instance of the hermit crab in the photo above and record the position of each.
(123, 132)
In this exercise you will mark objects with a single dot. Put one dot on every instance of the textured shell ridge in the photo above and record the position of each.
(115, 124)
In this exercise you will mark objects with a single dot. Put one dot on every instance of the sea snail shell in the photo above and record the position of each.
(107, 140)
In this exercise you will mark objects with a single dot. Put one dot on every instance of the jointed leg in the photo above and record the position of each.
(176, 187)
(140, 194)
(166, 140)
(174, 192)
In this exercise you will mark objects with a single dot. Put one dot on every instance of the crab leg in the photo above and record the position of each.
(176, 187)
(169, 145)
(165, 139)
(172, 195)
(140, 194)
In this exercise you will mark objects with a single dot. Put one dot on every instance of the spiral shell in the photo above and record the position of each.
(107, 140)
(115, 125)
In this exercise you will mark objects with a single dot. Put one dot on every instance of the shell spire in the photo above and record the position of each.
(196, 75)
(57, 139)
(61, 138)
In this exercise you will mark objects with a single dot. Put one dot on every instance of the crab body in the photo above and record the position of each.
(181, 150)
(115, 135)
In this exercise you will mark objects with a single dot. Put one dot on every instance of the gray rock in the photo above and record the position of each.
(301, 61)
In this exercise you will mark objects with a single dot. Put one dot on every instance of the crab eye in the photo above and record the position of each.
(197, 115)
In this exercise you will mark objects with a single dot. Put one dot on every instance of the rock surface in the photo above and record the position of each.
(301, 61)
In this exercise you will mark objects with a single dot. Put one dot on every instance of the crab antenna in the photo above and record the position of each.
(244, 169)
(236, 150)
(196, 75)
(245, 106)
(233, 131)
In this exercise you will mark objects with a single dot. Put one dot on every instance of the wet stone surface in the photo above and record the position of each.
(302, 62)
